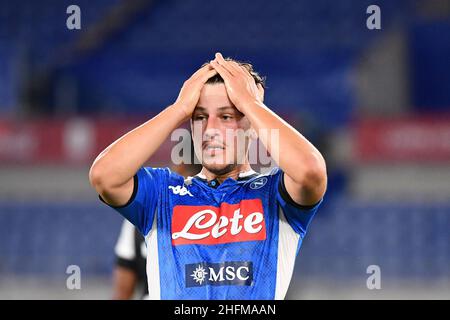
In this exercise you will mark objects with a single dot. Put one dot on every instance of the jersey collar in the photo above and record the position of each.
(242, 175)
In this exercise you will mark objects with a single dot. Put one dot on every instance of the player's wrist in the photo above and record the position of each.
(246, 105)
(181, 110)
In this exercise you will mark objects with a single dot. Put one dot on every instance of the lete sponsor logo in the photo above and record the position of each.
(238, 273)
(215, 225)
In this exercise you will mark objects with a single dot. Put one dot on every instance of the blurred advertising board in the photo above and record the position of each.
(409, 139)
(68, 141)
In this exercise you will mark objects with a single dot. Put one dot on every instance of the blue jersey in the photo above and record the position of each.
(234, 240)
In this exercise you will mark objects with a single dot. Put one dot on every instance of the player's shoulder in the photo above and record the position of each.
(163, 173)
(270, 173)
(273, 172)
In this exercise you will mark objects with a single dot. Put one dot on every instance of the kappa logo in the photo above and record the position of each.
(258, 183)
(238, 273)
(180, 190)
(210, 225)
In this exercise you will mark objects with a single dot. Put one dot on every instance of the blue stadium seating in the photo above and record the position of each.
(307, 50)
(45, 238)
(407, 240)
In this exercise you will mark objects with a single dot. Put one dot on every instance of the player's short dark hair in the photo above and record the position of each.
(258, 78)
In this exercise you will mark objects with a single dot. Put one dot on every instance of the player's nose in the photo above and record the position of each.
(212, 124)
(211, 134)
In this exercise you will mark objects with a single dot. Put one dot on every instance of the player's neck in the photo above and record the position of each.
(234, 173)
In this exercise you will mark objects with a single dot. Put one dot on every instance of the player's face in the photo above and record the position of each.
(220, 131)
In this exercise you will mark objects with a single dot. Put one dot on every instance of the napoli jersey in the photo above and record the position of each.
(234, 240)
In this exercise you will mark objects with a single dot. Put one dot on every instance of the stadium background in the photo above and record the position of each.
(375, 102)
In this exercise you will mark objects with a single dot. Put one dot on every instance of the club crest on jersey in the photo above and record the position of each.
(258, 183)
(180, 190)
(210, 225)
(238, 273)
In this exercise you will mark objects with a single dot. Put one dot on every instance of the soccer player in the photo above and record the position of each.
(228, 232)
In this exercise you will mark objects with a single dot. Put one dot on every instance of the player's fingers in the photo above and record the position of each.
(219, 59)
(224, 73)
(237, 70)
(251, 79)
(205, 69)
(204, 77)
(245, 72)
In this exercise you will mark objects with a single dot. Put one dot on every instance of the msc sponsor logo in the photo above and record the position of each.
(210, 225)
(238, 273)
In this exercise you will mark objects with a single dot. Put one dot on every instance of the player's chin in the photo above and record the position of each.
(218, 168)
(215, 158)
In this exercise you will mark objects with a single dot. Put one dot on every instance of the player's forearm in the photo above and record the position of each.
(120, 161)
(294, 154)
(124, 283)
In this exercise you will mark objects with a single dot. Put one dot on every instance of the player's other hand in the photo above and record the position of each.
(190, 92)
(241, 87)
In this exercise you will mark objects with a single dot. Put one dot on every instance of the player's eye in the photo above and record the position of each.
(227, 117)
(199, 118)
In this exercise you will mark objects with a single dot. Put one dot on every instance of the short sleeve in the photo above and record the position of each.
(140, 208)
(299, 217)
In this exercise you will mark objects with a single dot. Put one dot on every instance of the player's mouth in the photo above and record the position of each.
(212, 148)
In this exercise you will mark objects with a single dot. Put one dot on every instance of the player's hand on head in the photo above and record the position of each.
(190, 92)
(240, 85)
